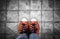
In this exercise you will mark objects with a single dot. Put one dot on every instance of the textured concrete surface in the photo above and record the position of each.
(35, 14)
(47, 15)
(24, 14)
(12, 16)
(13, 5)
(24, 4)
(46, 28)
(48, 19)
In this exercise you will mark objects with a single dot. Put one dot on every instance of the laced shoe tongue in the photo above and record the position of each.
(24, 28)
(33, 28)
(33, 24)
(23, 24)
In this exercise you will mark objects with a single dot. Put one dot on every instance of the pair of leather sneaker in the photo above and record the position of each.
(28, 27)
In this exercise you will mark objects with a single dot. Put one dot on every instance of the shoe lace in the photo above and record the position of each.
(34, 29)
(24, 27)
